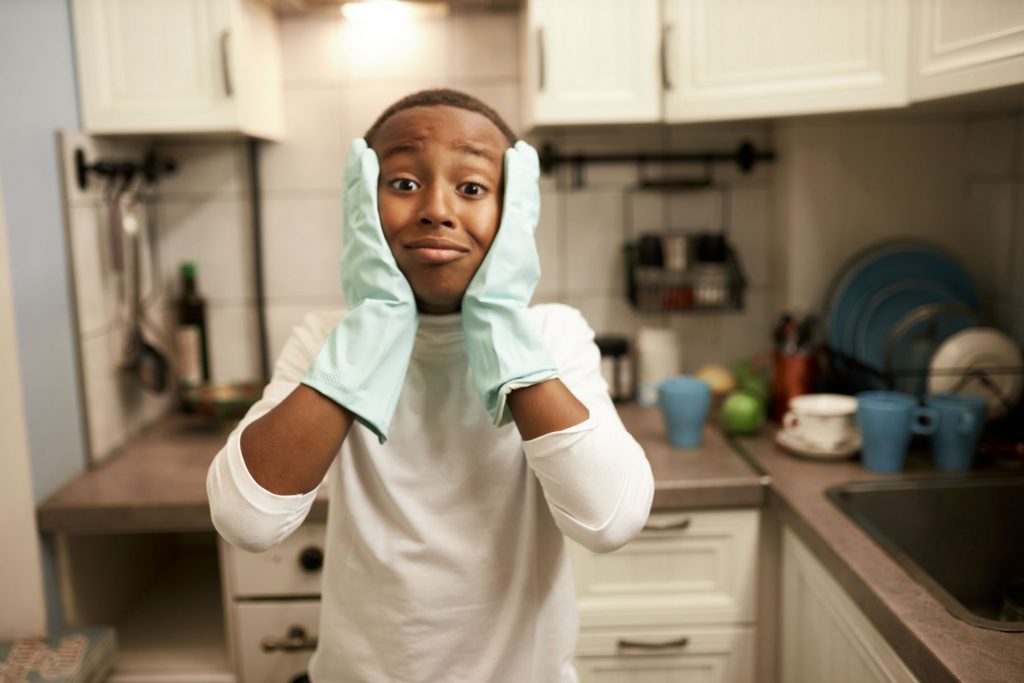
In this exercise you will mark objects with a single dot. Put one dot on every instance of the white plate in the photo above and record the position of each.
(975, 350)
(795, 444)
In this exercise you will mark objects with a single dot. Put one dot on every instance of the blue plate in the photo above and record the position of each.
(885, 265)
(885, 309)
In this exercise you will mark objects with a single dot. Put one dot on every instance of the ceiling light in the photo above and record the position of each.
(392, 10)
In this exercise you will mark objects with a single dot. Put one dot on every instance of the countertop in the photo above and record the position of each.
(156, 482)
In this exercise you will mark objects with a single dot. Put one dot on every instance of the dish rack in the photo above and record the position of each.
(678, 281)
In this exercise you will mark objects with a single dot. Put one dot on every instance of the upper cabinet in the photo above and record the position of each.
(591, 61)
(961, 46)
(632, 61)
(737, 59)
(178, 66)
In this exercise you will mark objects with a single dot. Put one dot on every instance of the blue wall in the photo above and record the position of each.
(38, 98)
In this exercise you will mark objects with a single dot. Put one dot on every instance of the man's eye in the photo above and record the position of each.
(472, 189)
(404, 184)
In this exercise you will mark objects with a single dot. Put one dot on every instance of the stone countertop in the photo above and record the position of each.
(157, 481)
(933, 643)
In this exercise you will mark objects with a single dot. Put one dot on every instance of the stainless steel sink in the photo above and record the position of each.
(962, 538)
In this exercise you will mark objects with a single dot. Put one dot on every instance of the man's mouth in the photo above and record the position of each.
(436, 250)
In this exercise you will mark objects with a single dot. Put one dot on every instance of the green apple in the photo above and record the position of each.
(743, 412)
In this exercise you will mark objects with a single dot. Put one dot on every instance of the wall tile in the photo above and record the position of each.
(990, 144)
(697, 211)
(312, 157)
(302, 243)
(746, 333)
(700, 339)
(610, 314)
(486, 45)
(594, 237)
(215, 235)
(645, 212)
(95, 285)
(986, 251)
(233, 342)
(311, 48)
(750, 231)
(219, 168)
(549, 233)
(395, 50)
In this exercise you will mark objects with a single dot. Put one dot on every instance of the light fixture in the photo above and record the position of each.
(392, 10)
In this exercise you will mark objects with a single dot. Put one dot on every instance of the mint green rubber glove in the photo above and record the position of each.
(362, 364)
(505, 348)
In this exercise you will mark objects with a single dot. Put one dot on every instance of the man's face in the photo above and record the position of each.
(439, 198)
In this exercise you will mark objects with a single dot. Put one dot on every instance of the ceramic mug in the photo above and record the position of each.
(961, 419)
(887, 420)
(684, 403)
(822, 420)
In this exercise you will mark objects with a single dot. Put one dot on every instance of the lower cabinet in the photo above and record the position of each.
(825, 636)
(677, 604)
(275, 639)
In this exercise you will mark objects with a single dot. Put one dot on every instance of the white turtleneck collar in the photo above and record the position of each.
(439, 335)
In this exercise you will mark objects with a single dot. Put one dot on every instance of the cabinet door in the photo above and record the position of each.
(142, 63)
(746, 59)
(825, 636)
(591, 61)
(274, 639)
(684, 568)
(960, 46)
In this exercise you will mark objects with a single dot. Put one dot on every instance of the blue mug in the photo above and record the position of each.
(887, 419)
(961, 419)
(684, 403)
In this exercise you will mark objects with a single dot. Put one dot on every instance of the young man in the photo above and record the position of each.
(444, 557)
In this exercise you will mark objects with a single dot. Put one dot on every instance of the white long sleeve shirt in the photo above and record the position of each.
(444, 556)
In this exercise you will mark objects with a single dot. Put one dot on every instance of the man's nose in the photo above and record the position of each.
(436, 208)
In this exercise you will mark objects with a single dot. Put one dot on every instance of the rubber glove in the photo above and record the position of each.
(503, 343)
(362, 364)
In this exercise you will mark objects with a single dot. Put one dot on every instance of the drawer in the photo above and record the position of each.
(677, 654)
(275, 623)
(292, 568)
(685, 567)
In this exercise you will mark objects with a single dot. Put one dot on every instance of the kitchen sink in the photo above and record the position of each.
(961, 537)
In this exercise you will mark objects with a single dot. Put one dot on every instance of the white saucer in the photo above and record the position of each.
(795, 444)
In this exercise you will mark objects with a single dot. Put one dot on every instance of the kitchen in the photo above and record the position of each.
(868, 145)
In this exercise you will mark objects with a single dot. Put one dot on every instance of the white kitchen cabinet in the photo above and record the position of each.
(678, 603)
(731, 59)
(628, 61)
(590, 61)
(178, 66)
(961, 46)
(825, 636)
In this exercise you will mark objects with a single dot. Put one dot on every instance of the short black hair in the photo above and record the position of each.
(441, 97)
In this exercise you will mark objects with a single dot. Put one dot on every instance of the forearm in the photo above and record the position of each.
(288, 450)
(545, 408)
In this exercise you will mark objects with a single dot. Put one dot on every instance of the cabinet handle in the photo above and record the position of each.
(665, 526)
(225, 62)
(295, 641)
(624, 644)
(666, 82)
(541, 66)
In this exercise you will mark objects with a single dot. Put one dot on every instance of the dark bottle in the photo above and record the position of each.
(192, 344)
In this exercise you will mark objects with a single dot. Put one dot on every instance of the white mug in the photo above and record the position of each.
(822, 420)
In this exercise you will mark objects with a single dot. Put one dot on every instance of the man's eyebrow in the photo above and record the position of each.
(475, 150)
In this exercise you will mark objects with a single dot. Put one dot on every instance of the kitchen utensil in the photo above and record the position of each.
(881, 266)
(961, 419)
(794, 375)
(684, 403)
(979, 362)
(139, 358)
(887, 419)
(822, 421)
(796, 445)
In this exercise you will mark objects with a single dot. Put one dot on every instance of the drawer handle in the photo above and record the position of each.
(667, 645)
(295, 641)
(665, 526)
